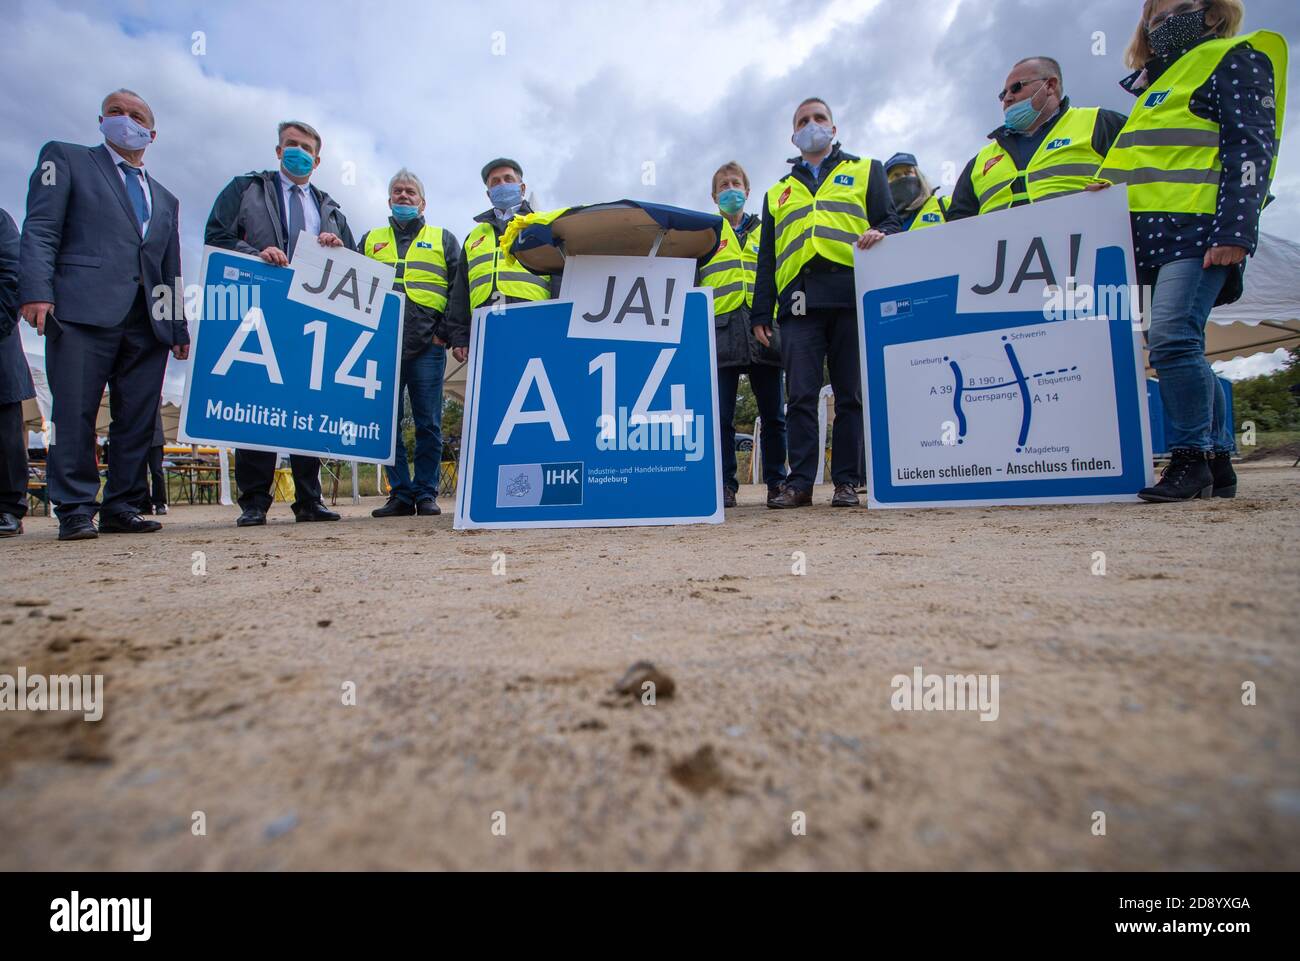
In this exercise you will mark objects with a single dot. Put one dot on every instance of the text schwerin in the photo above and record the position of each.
(651, 431)
(57, 692)
(946, 692)
(132, 915)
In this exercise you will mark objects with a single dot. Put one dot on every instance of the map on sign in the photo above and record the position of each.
(1000, 360)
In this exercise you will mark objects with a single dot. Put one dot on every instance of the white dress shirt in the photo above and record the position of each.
(144, 178)
(310, 211)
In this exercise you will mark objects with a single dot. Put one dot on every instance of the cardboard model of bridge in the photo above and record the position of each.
(623, 228)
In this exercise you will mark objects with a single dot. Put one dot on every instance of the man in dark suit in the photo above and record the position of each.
(154, 499)
(15, 387)
(100, 260)
(262, 214)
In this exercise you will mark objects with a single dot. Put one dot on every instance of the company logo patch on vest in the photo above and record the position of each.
(540, 485)
(1059, 143)
(1156, 98)
(844, 180)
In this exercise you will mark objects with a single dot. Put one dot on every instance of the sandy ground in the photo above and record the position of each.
(479, 693)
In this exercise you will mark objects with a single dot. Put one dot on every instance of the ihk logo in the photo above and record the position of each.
(539, 485)
(1059, 143)
(1157, 98)
(895, 308)
(561, 475)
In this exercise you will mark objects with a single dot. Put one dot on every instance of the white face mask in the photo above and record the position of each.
(813, 138)
(122, 131)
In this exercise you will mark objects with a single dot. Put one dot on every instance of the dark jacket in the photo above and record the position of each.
(737, 345)
(458, 309)
(15, 379)
(965, 203)
(1247, 134)
(420, 324)
(825, 284)
(246, 215)
(81, 244)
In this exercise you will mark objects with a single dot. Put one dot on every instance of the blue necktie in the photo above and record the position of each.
(136, 192)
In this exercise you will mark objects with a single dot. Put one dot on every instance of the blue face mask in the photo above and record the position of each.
(122, 131)
(404, 212)
(1022, 115)
(731, 201)
(298, 162)
(507, 195)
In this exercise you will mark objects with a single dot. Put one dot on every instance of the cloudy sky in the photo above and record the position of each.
(597, 101)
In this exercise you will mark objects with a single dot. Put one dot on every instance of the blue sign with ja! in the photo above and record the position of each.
(567, 431)
(269, 372)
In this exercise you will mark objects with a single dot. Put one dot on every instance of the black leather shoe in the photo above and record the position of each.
(774, 492)
(1187, 477)
(428, 508)
(1225, 478)
(252, 517)
(790, 497)
(315, 512)
(160, 509)
(845, 496)
(396, 507)
(78, 527)
(11, 525)
(128, 522)
(728, 497)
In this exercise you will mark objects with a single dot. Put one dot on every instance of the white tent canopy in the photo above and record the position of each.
(1268, 314)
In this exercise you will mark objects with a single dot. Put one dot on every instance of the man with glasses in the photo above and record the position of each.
(1044, 147)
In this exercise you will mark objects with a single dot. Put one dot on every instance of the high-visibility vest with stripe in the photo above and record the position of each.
(492, 268)
(422, 273)
(1169, 156)
(730, 272)
(826, 224)
(1064, 163)
(934, 213)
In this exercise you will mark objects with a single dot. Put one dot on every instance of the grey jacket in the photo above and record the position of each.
(246, 215)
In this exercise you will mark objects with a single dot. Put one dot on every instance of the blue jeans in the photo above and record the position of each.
(422, 380)
(1183, 292)
(765, 381)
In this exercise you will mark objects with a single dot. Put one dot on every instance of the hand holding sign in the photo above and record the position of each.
(338, 281)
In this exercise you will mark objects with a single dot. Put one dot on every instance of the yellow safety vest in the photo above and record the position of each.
(490, 267)
(1064, 163)
(932, 214)
(730, 272)
(1169, 156)
(422, 273)
(826, 225)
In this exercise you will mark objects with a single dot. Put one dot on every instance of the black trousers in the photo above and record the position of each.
(826, 337)
(255, 474)
(13, 460)
(80, 361)
(155, 487)
(765, 381)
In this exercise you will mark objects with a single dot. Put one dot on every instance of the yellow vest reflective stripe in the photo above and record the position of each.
(825, 225)
(730, 272)
(1169, 156)
(934, 213)
(491, 268)
(1064, 163)
(422, 273)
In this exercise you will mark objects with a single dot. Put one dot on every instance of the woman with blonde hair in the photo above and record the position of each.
(1198, 154)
